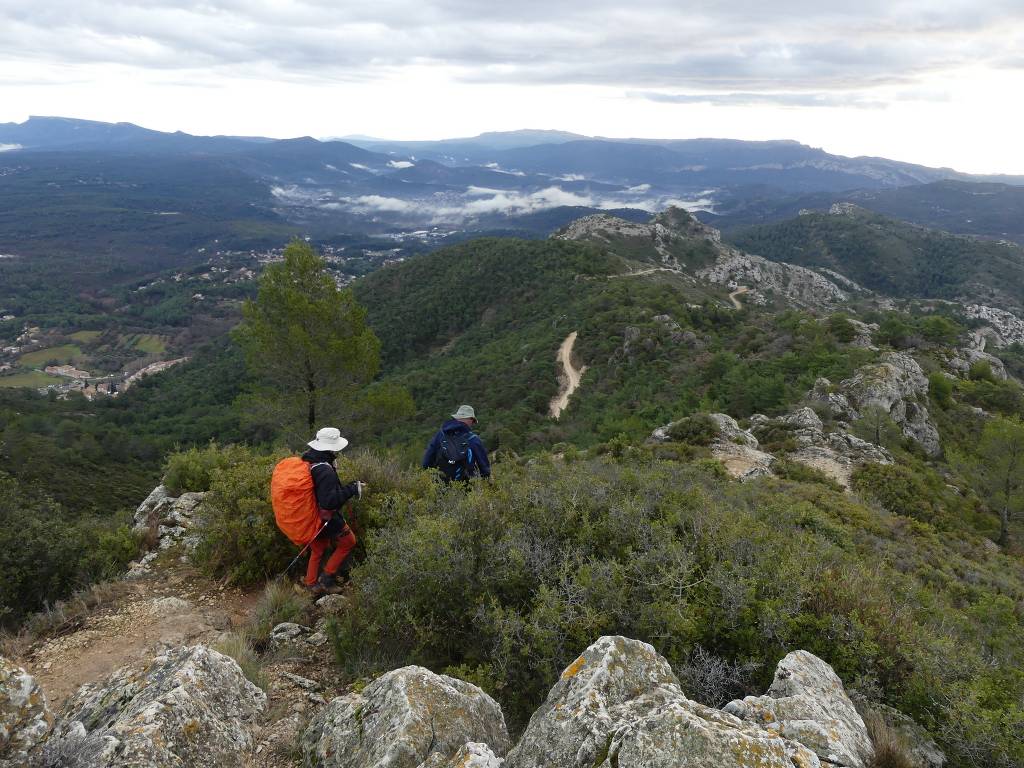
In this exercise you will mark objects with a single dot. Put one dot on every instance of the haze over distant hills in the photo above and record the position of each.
(116, 190)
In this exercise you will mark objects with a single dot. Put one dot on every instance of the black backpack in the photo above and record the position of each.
(455, 457)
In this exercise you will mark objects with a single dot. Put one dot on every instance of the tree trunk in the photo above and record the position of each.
(311, 405)
(310, 396)
(1004, 526)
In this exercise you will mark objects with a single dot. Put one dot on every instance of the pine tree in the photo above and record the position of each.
(306, 343)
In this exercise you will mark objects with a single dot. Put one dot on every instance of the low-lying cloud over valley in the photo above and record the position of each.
(477, 202)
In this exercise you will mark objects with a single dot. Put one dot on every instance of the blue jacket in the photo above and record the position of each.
(478, 463)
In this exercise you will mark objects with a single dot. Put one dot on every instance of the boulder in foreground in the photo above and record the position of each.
(619, 704)
(807, 702)
(189, 706)
(404, 719)
(25, 718)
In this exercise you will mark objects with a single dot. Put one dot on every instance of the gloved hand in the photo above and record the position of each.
(325, 514)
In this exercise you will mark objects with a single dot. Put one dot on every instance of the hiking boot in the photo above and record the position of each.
(314, 590)
(329, 584)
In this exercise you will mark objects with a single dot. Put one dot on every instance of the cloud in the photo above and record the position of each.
(858, 100)
(734, 49)
(476, 202)
(381, 204)
(401, 164)
(9, 147)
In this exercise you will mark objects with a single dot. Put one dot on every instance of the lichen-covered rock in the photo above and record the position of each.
(834, 401)
(897, 385)
(470, 755)
(184, 508)
(169, 606)
(807, 703)
(961, 360)
(171, 517)
(158, 499)
(25, 717)
(730, 431)
(189, 706)
(1007, 328)
(619, 704)
(401, 719)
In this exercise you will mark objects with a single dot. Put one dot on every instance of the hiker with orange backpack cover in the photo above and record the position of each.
(308, 498)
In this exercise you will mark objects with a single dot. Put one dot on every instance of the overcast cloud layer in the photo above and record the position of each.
(429, 68)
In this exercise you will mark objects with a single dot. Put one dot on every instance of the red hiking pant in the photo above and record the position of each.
(343, 544)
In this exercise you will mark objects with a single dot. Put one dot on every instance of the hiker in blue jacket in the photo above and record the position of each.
(456, 451)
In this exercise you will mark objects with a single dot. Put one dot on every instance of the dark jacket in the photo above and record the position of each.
(331, 495)
(478, 462)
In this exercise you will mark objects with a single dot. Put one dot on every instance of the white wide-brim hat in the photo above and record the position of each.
(465, 412)
(328, 439)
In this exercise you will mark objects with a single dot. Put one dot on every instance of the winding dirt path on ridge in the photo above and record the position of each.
(738, 292)
(570, 377)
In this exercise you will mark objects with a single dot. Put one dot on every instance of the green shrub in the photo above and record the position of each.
(506, 583)
(939, 329)
(981, 370)
(193, 470)
(776, 437)
(238, 538)
(45, 555)
(801, 473)
(841, 328)
(897, 488)
(940, 388)
(698, 429)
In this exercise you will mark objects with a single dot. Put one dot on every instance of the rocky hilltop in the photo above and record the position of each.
(672, 234)
(618, 704)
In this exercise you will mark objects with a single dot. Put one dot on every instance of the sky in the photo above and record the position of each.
(938, 82)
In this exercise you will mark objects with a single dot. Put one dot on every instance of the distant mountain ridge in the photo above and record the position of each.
(527, 183)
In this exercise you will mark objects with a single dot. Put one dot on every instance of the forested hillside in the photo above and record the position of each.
(893, 257)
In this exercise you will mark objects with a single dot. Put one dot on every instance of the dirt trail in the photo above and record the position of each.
(649, 271)
(570, 378)
(170, 608)
(738, 292)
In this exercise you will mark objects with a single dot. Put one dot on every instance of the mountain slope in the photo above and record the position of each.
(895, 258)
(482, 322)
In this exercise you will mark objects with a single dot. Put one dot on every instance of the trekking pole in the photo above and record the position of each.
(293, 562)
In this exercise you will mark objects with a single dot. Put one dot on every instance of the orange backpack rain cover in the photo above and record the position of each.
(294, 500)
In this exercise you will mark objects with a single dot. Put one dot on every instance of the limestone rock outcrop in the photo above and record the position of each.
(897, 385)
(470, 755)
(836, 453)
(736, 448)
(25, 717)
(188, 706)
(170, 517)
(797, 285)
(402, 720)
(807, 703)
(670, 236)
(1008, 327)
(961, 360)
(619, 704)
